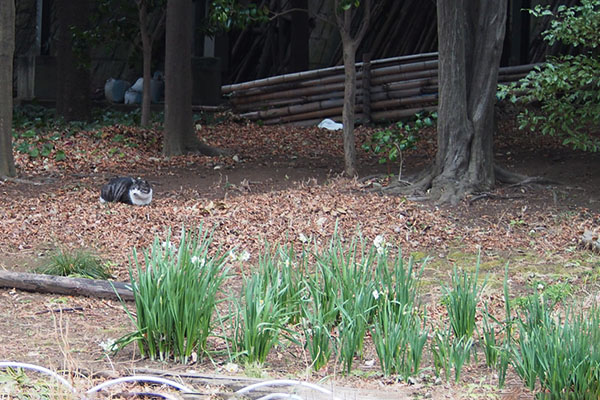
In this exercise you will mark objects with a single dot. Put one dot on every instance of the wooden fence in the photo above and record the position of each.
(388, 89)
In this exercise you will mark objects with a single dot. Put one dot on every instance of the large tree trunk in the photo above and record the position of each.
(7, 47)
(350, 43)
(179, 131)
(73, 100)
(471, 33)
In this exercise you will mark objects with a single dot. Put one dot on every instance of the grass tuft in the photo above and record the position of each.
(76, 263)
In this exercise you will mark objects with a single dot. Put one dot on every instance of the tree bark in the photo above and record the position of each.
(471, 33)
(179, 131)
(148, 39)
(73, 100)
(7, 48)
(147, 60)
(299, 36)
(350, 43)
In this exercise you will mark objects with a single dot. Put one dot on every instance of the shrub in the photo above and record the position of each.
(566, 87)
(390, 143)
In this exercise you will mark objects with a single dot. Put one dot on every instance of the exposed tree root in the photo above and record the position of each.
(514, 179)
(442, 190)
(493, 196)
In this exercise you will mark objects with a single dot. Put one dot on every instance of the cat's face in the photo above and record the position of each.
(140, 192)
(141, 185)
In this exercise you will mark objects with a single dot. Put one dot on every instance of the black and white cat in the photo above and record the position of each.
(127, 190)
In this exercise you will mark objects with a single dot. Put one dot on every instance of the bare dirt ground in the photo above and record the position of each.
(283, 182)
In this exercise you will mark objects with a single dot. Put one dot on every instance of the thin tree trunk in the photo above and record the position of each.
(348, 110)
(7, 47)
(147, 60)
(350, 44)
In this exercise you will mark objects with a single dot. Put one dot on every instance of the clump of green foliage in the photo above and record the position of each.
(175, 296)
(37, 145)
(566, 88)
(462, 298)
(77, 263)
(557, 352)
(390, 143)
(327, 299)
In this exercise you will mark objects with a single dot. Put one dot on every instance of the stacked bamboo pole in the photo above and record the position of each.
(395, 88)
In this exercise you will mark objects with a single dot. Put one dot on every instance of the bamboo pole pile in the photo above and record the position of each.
(394, 88)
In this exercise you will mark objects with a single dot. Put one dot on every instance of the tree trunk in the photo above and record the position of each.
(7, 48)
(471, 33)
(350, 43)
(299, 36)
(73, 100)
(179, 131)
(348, 110)
(147, 60)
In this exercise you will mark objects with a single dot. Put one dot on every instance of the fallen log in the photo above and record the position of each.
(64, 285)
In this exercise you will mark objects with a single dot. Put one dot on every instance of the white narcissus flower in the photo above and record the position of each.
(379, 241)
(245, 256)
(375, 294)
(107, 345)
(231, 367)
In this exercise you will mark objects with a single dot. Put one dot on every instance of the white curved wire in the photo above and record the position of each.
(9, 364)
(140, 378)
(272, 396)
(183, 388)
(285, 382)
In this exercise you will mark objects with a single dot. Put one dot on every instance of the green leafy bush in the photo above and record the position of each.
(566, 88)
(390, 143)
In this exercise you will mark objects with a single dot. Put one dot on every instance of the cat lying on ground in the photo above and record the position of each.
(127, 190)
